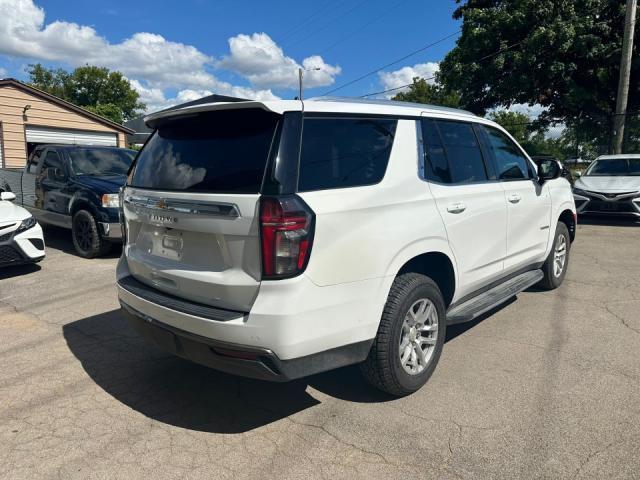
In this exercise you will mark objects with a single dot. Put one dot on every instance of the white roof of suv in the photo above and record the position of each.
(327, 105)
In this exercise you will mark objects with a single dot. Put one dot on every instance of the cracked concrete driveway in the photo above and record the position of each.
(548, 386)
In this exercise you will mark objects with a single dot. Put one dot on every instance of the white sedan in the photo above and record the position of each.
(21, 238)
(610, 186)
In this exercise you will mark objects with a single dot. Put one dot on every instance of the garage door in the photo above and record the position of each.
(73, 137)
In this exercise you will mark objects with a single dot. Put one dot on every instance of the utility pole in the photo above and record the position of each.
(623, 82)
(300, 75)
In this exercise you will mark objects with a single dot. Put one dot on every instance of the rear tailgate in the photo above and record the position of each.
(191, 207)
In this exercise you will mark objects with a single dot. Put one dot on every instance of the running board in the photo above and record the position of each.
(484, 302)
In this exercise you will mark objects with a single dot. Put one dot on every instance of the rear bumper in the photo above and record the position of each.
(244, 360)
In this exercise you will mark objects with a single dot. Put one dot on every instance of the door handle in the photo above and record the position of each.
(514, 198)
(456, 208)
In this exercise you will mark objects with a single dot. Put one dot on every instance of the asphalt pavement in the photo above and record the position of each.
(547, 386)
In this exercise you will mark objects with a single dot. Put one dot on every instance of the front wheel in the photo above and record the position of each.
(410, 337)
(555, 266)
(86, 237)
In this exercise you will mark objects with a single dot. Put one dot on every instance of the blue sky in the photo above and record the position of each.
(175, 51)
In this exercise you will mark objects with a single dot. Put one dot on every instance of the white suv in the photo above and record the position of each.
(281, 239)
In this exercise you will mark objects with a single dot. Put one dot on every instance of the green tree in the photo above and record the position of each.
(420, 91)
(516, 123)
(562, 54)
(97, 89)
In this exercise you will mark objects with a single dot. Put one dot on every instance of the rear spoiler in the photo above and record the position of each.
(155, 119)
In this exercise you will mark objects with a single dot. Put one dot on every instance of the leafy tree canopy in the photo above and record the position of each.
(420, 91)
(516, 123)
(562, 54)
(99, 90)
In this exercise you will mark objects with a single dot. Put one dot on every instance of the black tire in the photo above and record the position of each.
(552, 279)
(86, 237)
(383, 367)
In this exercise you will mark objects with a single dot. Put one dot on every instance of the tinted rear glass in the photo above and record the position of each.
(344, 152)
(214, 152)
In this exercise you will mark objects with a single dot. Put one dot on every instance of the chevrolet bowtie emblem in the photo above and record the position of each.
(161, 204)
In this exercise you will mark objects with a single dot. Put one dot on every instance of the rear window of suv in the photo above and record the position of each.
(344, 152)
(214, 152)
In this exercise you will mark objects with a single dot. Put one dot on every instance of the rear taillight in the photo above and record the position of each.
(286, 228)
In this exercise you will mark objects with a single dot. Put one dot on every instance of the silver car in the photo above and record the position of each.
(610, 186)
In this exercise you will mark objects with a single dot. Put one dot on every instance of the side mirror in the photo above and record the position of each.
(577, 174)
(548, 169)
(7, 196)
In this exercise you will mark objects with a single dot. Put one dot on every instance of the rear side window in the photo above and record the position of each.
(511, 164)
(214, 152)
(437, 166)
(463, 151)
(344, 152)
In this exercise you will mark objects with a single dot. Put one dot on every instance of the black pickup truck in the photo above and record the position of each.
(74, 187)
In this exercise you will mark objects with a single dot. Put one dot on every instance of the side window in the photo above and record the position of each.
(50, 164)
(436, 164)
(511, 164)
(344, 152)
(32, 165)
(463, 151)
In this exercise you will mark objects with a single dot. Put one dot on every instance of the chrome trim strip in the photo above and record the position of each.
(214, 209)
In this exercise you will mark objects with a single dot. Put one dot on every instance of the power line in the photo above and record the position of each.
(331, 22)
(358, 30)
(433, 77)
(309, 19)
(391, 64)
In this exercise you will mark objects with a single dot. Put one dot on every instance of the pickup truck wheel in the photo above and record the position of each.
(410, 337)
(555, 266)
(86, 237)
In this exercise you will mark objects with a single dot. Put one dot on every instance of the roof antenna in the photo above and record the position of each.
(300, 77)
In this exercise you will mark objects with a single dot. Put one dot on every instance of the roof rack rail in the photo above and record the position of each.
(422, 106)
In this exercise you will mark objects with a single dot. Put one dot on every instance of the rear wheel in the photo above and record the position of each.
(410, 337)
(555, 266)
(86, 237)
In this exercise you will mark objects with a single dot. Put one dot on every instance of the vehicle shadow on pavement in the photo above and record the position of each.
(172, 390)
(184, 394)
(348, 384)
(18, 270)
(608, 222)
(60, 239)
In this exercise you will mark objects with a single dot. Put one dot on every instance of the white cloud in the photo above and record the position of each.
(531, 111)
(155, 98)
(258, 58)
(3, 73)
(160, 61)
(405, 75)
(152, 63)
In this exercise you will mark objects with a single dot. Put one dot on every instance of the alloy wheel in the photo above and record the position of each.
(559, 256)
(419, 336)
(83, 233)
